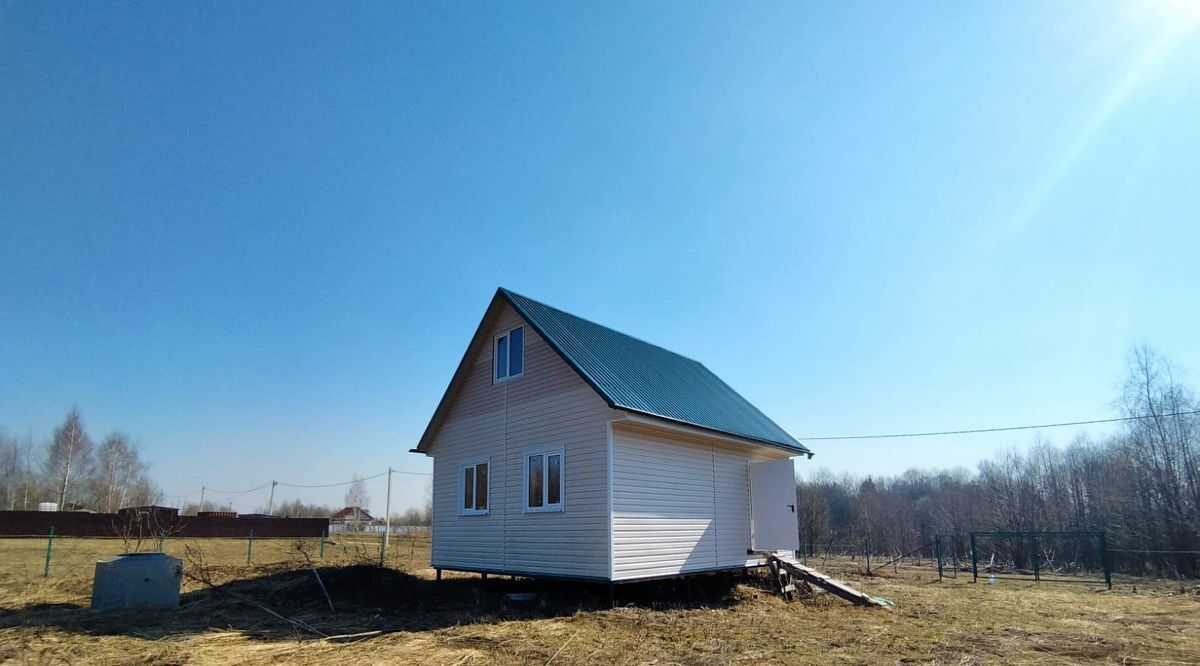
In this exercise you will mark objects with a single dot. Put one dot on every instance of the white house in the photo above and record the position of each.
(564, 449)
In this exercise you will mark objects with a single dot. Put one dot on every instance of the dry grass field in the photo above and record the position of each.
(709, 620)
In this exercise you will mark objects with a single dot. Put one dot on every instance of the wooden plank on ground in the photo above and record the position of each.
(789, 563)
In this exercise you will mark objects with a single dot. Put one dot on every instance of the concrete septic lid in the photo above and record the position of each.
(148, 556)
(132, 580)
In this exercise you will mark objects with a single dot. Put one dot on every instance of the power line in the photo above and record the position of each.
(181, 495)
(235, 493)
(1004, 429)
(331, 485)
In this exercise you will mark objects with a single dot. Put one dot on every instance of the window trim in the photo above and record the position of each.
(496, 356)
(545, 452)
(462, 488)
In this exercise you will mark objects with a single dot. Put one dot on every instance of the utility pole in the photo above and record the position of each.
(202, 489)
(387, 519)
(271, 500)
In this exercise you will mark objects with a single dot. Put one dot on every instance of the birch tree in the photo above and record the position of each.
(120, 474)
(357, 495)
(15, 478)
(69, 458)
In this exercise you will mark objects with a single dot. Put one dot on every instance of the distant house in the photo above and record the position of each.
(566, 449)
(351, 518)
(352, 514)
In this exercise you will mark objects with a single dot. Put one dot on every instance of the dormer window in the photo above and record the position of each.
(509, 355)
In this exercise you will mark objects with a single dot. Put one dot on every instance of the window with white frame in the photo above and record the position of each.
(473, 484)
(509, 355)
(544, 481)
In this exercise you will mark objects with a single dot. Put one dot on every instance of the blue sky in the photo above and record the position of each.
(258, 237)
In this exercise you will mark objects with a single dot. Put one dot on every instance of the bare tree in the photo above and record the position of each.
(1163, 447)
(69, 459)
(357, 496)
(427, 506)
(413, 516)
(27, 486)
(120, 476)
(299, 509)
(11, 467)
(1138, 485)
(813, 516)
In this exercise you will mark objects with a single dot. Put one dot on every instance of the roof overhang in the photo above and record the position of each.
(660, 423)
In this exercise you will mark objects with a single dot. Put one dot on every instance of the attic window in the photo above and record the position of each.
(509, 355)
(473, 484)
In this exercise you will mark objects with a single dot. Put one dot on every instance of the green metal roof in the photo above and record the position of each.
(634, 375)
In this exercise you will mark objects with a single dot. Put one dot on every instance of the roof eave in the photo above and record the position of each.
(799, 450)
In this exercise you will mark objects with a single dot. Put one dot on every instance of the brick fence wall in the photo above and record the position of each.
(70, 523)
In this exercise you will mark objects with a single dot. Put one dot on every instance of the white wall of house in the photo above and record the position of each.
(549, 406)
(681, 502)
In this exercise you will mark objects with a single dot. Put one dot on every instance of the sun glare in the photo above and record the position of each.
(1188, 10)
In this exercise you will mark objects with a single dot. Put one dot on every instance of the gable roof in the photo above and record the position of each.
(633, 375)
(352, 513)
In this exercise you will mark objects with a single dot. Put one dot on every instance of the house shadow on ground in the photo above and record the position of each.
(373, 599)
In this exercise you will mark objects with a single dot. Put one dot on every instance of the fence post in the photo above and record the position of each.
(937, 552)
(249, 547)
(324, 536)
(1037, 574)
(1104, 559)
(867, 550)
(49, 547)
(383, 544)
(974, 561)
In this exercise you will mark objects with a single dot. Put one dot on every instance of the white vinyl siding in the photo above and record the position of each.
(549, 408)
(680, 503)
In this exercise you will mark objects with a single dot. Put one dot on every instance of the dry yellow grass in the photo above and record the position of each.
(712, 620)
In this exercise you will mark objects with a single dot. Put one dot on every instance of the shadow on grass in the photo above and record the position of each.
(368, 599)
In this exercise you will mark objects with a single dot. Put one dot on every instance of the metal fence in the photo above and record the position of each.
(377, 528)
(148, 523)
(30, 557)
(1037, 557)
(848, 557)
(1059, 557)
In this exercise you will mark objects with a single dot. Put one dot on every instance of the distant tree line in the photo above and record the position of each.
(73, 472)
(288, 509)
(356, 495)
(1141, 486)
